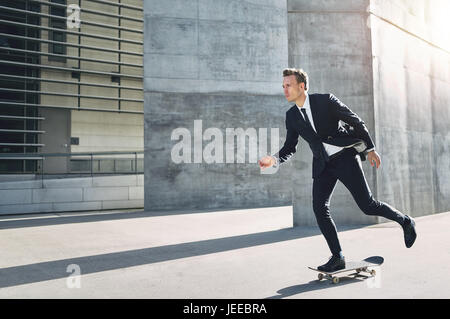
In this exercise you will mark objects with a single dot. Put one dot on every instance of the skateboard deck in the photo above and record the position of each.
(358, 266)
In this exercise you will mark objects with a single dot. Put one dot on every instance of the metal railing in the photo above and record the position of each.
(69, 57)
(84, 22)
(69, 44)
(24, 25)
(61, 165)
(96, 12)
(18, 77)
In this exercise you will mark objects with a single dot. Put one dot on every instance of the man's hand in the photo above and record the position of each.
(374, 158)
(266, 161)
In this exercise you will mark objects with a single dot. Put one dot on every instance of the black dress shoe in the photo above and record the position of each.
(409, 231)
(334, 264)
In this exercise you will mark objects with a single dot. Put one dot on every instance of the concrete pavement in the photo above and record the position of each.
(252, 253)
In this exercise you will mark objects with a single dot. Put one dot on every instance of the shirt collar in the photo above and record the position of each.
(306, 105)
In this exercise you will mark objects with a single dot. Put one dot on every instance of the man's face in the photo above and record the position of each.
(292, 89)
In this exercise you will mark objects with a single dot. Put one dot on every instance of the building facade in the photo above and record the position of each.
(70, 83)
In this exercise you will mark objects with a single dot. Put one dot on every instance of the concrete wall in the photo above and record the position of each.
(72, 194)
(388, 61)
(411, 68)
(219, 62)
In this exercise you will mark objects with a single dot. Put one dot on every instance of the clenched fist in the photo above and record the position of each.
(266, 161)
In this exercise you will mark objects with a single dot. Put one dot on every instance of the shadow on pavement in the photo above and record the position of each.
(37, 220)
(318, 285)
(26, 274)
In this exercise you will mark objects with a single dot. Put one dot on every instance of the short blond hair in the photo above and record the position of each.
(300, 75)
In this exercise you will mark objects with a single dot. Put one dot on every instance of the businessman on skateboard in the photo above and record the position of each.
(337, 153)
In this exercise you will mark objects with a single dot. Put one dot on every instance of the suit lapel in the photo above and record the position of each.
(314, 112)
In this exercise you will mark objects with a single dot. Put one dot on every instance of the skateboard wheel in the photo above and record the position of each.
(358, 270)
(373, 272)
(320, 276)
(335, 280)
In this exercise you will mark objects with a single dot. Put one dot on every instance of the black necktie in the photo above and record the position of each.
(306, 116)
(323, 152)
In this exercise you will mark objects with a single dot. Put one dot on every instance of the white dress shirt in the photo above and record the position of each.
(330, 149)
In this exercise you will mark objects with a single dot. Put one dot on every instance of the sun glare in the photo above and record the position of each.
(439, 22)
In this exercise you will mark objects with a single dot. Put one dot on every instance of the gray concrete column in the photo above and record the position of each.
(331, 41)
(389, 61)
(218, 62)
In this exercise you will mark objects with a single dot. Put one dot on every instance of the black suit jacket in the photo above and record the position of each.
(327, 112)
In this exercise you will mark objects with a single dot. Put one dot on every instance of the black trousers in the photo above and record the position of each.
(347, 168)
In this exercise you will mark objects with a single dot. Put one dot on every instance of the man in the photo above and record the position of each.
(337, 153)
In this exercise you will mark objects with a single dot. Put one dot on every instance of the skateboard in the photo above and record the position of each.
(358, 266)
